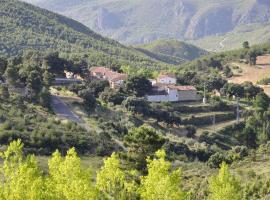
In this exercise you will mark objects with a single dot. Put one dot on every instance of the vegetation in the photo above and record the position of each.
(30, 28)
(176, 51)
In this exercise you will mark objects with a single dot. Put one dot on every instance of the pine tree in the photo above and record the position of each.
(224, 186)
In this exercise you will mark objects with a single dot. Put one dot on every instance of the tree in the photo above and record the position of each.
(216, 159)
(262, 102)
(246, 45)
(4, 92)
(97, 86)
(137, 85)
(12, 75)
(251, 90)
(3, 66)
(68, 180)
(47, 78)
(112, 96)
(161, 182)
(141, 143)
(137, 105)
(252, 56)
(45, 97)
(232, 89)
(20, 177)
(88, 98)
(228, 72)
(53, 63)
(112, 181)
(224, 186)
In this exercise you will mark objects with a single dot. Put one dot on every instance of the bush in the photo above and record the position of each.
(218, 158)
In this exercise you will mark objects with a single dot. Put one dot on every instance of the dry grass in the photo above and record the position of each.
(253, 73)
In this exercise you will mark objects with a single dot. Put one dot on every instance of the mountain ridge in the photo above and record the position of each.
(145, 21)
(27, 27)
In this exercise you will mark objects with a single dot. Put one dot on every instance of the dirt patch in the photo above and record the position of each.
(254, 73)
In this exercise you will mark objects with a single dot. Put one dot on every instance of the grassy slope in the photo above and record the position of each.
(174, 49)
(254, 33)
(244, 72)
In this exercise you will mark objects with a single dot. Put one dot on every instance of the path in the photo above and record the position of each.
(63, 111)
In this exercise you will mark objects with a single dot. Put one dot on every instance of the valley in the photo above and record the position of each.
(85, 117)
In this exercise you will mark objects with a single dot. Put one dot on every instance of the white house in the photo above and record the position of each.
(166, 90)
(160, 94)
(167, 78)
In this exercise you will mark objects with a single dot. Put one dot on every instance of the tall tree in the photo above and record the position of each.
(161, 182)
(20, 177)
(137, 85)
(224, 186)
(112, 181)
(141, 143)
(246, 45)
(68, 180)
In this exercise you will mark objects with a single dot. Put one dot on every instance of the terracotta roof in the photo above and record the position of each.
(118, 77)
(182, 88)
(102, 70)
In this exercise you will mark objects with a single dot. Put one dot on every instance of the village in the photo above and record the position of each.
(164, 88)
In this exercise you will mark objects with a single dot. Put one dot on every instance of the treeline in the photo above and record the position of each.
(68, 180)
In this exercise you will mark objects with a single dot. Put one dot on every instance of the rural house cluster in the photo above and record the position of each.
(164, 88)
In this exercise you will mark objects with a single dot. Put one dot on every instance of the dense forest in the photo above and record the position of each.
(24, 26)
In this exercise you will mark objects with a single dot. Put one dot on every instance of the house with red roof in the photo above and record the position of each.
(115, 79)
(166, 90)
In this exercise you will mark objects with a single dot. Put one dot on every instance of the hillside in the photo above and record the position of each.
(136, 22)
(23, 27)
(174, 49)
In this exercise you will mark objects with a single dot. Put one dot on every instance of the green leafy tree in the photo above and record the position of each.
(47, 78)
(252, 56)
(88, 98)
(68, 180)
(161, 182)
(246, 45)
(112, 181)
(112, 96)
(3, 66)
(4, 92)
(262, 102)
(137, 85)
(45, 97)
(224, 186)
(141, 143)
(11, 75)
(20, 177)
(53, 63)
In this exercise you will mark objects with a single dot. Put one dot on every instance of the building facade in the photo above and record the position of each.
(166, 90)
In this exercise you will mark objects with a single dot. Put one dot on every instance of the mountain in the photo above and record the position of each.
(174, 49)
(137, 22)
(24, 26)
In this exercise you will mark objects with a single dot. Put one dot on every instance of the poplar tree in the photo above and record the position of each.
(161, 182)
(224, 186)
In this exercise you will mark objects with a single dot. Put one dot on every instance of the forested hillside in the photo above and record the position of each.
(174, 50)
(23, 26)
(137, 22)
